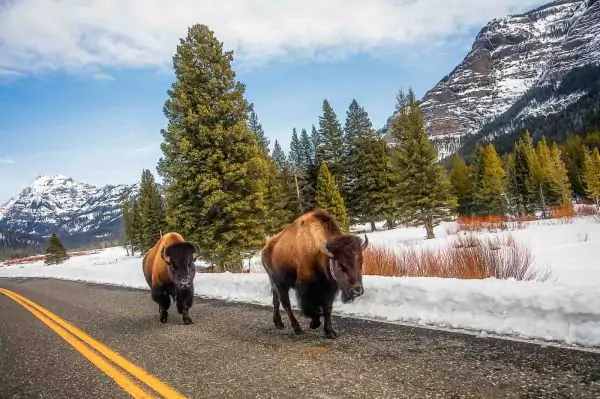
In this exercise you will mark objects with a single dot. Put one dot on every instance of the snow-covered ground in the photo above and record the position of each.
(565, 308)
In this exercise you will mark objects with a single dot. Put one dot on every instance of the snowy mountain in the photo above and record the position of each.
(521, 70)
(78, 213)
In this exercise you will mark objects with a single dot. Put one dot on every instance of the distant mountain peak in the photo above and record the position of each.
(521, 68)
(78, 212)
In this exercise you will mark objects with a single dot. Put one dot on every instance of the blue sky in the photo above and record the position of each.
(91, 109)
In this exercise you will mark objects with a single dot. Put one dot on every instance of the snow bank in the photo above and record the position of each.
(546, 311)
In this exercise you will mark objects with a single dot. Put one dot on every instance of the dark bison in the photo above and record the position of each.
(314, 257)
(169, 270)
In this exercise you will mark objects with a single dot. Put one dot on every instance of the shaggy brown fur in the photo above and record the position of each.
(303, 256)
(169, 271)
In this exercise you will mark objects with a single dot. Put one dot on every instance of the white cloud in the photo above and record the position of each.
(103, 77)
(38, 35)
(7, 161)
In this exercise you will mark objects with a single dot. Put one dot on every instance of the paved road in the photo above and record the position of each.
(233, 351)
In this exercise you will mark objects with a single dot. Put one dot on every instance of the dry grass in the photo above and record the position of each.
(489, 223)
(468, 257)
(562, 211)
(587, 210)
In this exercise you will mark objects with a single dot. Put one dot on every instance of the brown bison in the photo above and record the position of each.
(314, 257)
(169, 270)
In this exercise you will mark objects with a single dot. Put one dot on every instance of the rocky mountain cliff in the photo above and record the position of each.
(523, 71)
(78, 213)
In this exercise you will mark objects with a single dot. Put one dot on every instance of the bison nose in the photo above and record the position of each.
(358, 290)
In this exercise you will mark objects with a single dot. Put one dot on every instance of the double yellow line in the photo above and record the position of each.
(94, 352)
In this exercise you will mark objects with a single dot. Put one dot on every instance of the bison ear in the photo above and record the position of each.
(365, 243)
(326, 251)
(164, 256)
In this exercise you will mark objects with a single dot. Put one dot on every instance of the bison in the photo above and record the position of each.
(169, 271)
(317, 260)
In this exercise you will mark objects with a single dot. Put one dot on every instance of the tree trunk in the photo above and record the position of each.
(429, 229)
(373, 225)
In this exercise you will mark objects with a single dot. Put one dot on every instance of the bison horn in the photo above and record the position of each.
(163, 255)
(326, 251)
(365, 243)
(195, 254)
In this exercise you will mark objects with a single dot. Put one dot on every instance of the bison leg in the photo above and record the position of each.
(185, 299)
(276, 313)
(284, 296)
(328, 328)
(161, 297)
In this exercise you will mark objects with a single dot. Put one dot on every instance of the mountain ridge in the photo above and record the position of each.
(79, 213)
(520, 68)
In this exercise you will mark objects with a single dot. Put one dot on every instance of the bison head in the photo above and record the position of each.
(345, 255)
(180, 259)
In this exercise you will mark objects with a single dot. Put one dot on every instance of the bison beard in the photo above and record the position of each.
(315, 298)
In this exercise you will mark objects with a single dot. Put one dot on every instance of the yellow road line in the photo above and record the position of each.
(134, 370)
(121, 379)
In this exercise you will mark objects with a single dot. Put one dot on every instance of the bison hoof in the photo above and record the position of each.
(187, 321)
(298, 331)
(331, 334)
(315, 323)
(164, 316)
(279, 325)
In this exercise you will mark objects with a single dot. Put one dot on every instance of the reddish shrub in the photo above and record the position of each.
(468, 257)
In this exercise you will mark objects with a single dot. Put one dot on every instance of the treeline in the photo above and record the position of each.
(144, 216)
(225, 189)
(530, 179)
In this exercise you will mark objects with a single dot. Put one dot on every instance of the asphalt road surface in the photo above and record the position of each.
(234, 351)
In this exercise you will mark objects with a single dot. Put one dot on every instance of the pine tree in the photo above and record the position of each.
(303, 174)
(152, 215)
(490, 193)
(524, 184)
(55, 251)
(315, 139)
(279, 156)
(330, 199)
(296, 153)
(330, 143)
(367, 189)
(560, 186)
(136, 227)
(127, 212)
(462, 185)
(374, 195)
(257, 129)
(591, 174)
(215, 175)
(424, 194)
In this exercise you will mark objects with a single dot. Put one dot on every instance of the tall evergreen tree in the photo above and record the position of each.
(560, 186)
(256, 128)
(55, 251)
(330, 199)
(330, 143)
(127, 212)
(151, 211)
(366, 188)
(136, 227)
(523, 183)
(374, 192)
(424, 194)
(462, 185)
(214, 172)
(279, 156)
(315, 139)
(296, 153)
(591, 175)
(490, 193)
